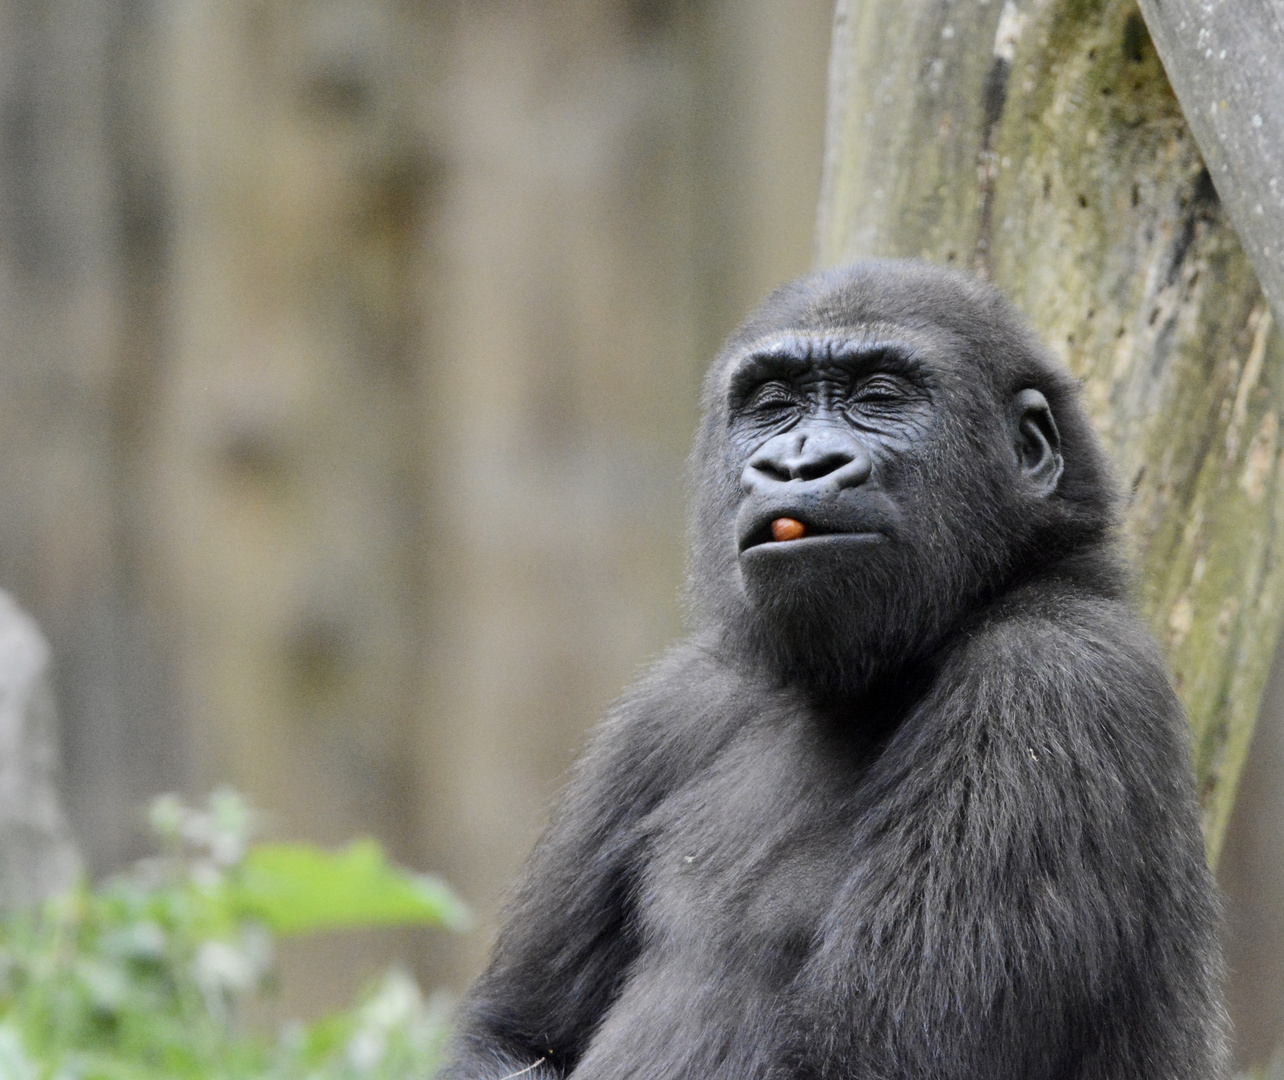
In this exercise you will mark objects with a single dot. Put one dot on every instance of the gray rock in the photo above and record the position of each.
(38, 856)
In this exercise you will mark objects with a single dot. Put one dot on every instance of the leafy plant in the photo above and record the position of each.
(149, 975)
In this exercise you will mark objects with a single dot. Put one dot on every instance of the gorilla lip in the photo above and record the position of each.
(790, 530)
(859, 518)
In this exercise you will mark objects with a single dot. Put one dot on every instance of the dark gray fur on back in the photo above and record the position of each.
(929, 818)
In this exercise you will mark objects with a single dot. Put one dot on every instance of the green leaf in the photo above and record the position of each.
(299, 888)
(15, 1063)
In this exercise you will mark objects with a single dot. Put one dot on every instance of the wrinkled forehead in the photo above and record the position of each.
(931, 354)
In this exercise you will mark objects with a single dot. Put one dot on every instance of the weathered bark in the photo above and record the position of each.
(1226, 63)
(1251, 871)
(1040, 145)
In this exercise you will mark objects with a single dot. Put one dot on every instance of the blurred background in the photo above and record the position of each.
(349, 355)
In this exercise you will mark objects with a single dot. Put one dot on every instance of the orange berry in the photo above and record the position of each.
(787, 529)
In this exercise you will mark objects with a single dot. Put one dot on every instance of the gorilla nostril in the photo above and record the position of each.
(813, 468)
(803, 458)
(855, 470)
(768, 464)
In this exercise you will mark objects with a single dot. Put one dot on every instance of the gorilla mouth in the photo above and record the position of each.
(777, 530)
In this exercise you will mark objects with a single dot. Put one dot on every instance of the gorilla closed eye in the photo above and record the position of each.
(772, 395)
(795, 357)
(881, 391)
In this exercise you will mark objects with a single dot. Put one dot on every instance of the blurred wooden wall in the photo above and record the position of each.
(83, 223)
(351, 354)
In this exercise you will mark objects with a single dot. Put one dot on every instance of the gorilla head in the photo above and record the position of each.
(866, 477)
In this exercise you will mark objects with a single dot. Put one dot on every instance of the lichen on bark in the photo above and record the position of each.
(1040, 145)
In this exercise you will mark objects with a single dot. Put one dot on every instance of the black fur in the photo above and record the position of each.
(912, 801)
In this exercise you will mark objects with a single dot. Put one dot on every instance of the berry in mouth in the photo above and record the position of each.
(784, 528)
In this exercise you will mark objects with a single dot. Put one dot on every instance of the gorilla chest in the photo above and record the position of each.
(746, 860)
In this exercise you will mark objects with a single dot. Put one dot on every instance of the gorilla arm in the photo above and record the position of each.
(1035, 901)
(564, 946)
(567, 940)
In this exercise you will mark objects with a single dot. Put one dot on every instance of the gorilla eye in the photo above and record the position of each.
(772, 396)
(878, 390)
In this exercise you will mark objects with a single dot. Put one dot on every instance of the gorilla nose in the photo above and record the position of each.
(807, 461)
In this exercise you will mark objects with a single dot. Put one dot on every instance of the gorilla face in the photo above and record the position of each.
(810, 429)
(842, 442)
(875, 480)
(826, 434)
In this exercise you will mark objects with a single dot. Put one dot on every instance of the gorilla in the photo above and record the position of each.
(913, 799)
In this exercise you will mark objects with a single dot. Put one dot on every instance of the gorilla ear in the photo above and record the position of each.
(1037, 442)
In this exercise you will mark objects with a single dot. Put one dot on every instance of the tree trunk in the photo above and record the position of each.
(1226, 63)
(1041, 146)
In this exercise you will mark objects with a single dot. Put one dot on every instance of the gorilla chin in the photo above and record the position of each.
(833, 615)
(808, 575)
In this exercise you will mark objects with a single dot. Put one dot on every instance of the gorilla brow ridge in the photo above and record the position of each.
(792, 354)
